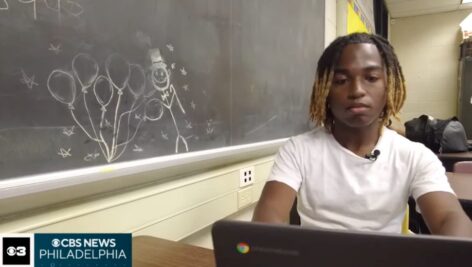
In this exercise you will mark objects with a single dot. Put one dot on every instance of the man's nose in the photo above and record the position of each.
(356, 89)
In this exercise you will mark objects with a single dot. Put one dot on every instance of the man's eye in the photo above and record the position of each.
(372, 78)
(339, 81)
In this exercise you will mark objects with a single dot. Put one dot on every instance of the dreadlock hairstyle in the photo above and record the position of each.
(396, 93)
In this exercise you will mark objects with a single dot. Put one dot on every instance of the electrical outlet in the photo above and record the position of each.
(246, 176)
(244, 197)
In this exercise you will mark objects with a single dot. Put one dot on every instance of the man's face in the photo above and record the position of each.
(358, 92)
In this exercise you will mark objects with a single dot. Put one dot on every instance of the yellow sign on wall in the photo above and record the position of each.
(356, 21)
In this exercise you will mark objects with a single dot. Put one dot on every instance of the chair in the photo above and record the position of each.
(294, 216)
(406, 222)
(463, 167)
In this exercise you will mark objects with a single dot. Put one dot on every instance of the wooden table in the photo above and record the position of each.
(151, 251)
(448, 159)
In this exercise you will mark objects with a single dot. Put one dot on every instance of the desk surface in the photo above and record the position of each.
(461, 183)
(156, 252)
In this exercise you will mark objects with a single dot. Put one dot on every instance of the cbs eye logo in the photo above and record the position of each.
(16, 251)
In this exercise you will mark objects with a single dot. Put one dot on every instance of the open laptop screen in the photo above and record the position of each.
(245, 244)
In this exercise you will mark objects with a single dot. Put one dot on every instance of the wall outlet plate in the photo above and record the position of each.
(246, 176)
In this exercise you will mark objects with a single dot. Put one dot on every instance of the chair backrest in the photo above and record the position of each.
(463, 167)
(294, 216)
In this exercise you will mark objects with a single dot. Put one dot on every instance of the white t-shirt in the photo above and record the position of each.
(338, 189)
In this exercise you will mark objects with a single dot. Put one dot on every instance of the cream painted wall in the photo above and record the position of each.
(330, 21)
(341, 17)
(171, 208)
(428, 50)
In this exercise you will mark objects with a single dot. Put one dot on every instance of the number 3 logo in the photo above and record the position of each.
(18, 251)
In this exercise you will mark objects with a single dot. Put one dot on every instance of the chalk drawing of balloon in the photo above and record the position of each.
(153, 110)
(61, 85)
(85, 69)
(103, 90)
(118, 71)
(137, 80)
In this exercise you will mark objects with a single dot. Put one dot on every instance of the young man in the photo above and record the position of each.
(352, 172)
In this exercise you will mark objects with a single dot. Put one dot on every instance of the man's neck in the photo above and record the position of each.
(360, 141)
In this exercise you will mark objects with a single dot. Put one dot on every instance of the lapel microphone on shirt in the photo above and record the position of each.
(373, 156)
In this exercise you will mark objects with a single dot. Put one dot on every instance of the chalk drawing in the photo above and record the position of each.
(68, 130)
(64, 153)
(210, 129)
(137, 148)
(107, 90)
(56, 49)
(160, 76)
(164, 135)
(3, 5)
(91, 156)
(28, 80)
(188, 124)
(111, 120)
(183, 71)
(59, 7)
(262, 125)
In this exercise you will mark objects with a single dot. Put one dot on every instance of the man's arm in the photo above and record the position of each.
(275, 203)
(444, 215)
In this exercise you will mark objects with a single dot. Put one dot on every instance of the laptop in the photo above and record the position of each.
(247, 244)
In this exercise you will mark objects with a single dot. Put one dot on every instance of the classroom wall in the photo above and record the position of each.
(330, 21)
(172, 209)
(428, 50)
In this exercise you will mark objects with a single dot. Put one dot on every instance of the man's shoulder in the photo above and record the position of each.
(306, 141)
(310, 137)
(400, 142)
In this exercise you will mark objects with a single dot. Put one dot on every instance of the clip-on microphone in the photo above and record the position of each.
(373, 156)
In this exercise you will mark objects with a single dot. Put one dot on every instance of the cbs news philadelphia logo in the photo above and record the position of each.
(22, 250)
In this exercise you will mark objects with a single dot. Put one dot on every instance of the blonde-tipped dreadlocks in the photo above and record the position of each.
(396, 91)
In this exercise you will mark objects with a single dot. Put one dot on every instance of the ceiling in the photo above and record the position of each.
(406, 8)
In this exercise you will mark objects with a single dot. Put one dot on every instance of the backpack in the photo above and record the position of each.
(438, 135)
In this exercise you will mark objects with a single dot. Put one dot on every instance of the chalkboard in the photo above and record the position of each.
(93, 82)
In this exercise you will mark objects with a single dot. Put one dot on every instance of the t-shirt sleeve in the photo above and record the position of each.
(286, 168)
(429, 174)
